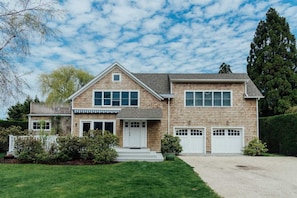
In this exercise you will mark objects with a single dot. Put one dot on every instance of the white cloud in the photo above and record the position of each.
(153, 36)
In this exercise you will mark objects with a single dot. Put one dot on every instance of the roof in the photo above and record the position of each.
(145, 114)
(158, 84)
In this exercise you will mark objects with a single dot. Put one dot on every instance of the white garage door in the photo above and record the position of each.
(226, 140)
(192, 139)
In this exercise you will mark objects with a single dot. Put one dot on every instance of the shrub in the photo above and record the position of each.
(29, 149)
(70, 147)
(280, 133)
(99, 147)
(255, 148)
(5, 132)
(171, 144)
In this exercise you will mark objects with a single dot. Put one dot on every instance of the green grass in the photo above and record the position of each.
(129, 179)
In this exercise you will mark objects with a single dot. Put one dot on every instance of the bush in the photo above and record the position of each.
(171, 144)
(5, 132)
(70, 147)
(29, 149)
(9, 123)
(255, 148)
(99, 147)
(280, 133)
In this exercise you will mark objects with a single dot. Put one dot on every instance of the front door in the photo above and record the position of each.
(135, 134)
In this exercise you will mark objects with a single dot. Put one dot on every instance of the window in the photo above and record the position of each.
(116, 77)
(116, 98)
(41, 125)
(101, 125)
(208, 98)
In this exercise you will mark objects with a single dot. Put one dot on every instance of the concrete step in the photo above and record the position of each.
(142, 154)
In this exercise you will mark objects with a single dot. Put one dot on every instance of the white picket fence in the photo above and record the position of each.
(49, 140)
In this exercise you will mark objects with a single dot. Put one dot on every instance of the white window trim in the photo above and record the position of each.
(93, 98)
(92, 125)
(116, 74)
(212, 106)
(38, 121)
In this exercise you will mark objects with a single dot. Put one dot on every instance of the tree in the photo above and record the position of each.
(21, 21)
(20, 111)
(225, 69)
(62, 83)
(272, 64)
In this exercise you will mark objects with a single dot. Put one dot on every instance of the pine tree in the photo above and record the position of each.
(272, 64)
(225, 69)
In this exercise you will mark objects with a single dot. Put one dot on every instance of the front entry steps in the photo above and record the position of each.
(138, 154)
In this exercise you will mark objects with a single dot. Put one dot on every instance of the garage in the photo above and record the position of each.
(192, 139)
(227, 140)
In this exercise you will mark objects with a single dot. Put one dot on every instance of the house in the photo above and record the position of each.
(211, 113)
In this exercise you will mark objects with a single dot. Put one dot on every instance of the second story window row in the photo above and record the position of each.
(208, 98)
(116, 98)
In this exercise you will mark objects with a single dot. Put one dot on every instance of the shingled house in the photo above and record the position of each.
(211, 113)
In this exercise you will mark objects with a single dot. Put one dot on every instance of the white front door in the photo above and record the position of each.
(135, 134)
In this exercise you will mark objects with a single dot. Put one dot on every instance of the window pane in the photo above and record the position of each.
(226, 99)
(207, 98)
(107, 98)
(98, 126)
(86, 127)
(125, 98)
(134, 99)
(189, 99)
(108, 127)
(198, 99)
(116, 77)
(116, 98)
(217, 99)
(98, 98)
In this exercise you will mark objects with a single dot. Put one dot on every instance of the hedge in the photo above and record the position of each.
(280, 133)
(7, 124)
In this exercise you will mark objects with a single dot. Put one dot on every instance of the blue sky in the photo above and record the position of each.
(151, 36)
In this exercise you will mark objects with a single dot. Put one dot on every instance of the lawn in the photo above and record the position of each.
(129, 179)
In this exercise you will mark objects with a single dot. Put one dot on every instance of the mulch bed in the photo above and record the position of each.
(12, 160)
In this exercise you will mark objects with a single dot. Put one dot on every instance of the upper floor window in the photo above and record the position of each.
(116, 98)
(208, 98)
(116, 77)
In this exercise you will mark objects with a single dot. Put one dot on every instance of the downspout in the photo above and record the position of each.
(168, 115)
(72, 118)
(257, 109)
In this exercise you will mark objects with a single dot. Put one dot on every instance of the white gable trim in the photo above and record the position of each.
(107, 70)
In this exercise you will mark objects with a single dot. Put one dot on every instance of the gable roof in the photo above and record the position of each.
(106, 71)
(158, 84)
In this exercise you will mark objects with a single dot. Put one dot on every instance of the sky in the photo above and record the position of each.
(184, 36)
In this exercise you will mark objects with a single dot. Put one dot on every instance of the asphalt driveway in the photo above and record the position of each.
(244, 176)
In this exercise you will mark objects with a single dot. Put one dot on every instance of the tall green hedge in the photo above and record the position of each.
(7, 124)
(280, 133)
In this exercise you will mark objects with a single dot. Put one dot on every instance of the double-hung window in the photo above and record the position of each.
(208, 98)
(116, 98)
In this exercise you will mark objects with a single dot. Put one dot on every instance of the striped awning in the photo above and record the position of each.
(95, 111)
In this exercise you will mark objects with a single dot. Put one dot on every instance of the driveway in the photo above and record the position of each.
(245, 176)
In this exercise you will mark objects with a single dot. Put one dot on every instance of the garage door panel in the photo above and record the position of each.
(227, 141)
(192, 140)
